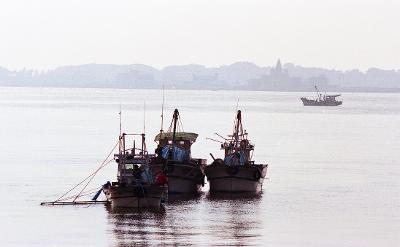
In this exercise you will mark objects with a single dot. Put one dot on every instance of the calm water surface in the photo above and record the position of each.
(333, 177)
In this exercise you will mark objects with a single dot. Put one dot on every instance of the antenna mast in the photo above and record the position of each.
(162, 110)
(175, 119)
(238, 127)
(120, 120)
(144, 117)
(316, 89)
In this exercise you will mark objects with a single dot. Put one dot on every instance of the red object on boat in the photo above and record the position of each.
(161, 178)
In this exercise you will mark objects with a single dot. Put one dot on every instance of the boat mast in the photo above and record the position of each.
(175, 117)
(120, 120)
(142, 145)
(120, 129)
(144, 148)
(144, 117)
(238, 123)
(162, 110)
(318, 95)
(123, 143)
(122, 156)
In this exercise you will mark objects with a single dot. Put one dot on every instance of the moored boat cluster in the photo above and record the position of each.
(145, 179)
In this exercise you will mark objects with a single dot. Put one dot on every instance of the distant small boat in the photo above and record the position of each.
(237, 172)
(322, 100)
(135, 186)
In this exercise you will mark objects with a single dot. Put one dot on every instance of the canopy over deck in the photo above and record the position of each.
(179, 136)
(333, 96)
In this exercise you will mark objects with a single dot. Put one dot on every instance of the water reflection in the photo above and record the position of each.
(234, 196)
(205, 219)
(141, 226)
(235, 218)
(184, 198)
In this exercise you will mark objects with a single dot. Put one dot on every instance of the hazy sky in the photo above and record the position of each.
(341, 34)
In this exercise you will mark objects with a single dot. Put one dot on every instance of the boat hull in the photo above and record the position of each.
(178, 185)
(233, 179)
(182, 177)
(147, 196)
(309, 102)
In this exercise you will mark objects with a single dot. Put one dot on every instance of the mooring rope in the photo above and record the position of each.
(90, 177)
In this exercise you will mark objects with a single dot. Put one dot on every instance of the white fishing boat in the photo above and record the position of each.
(184, 173)
(136, 185)
(236, 172)
(322, 100)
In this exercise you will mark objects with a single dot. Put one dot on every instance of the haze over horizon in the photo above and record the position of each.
(339, 34)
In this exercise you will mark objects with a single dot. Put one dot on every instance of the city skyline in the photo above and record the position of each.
(236, 76)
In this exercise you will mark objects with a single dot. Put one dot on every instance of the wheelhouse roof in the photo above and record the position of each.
(179, 136)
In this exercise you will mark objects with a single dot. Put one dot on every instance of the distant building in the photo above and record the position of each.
(278, 71)
(277, 80)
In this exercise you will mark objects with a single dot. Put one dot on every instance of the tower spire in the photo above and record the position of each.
(278, 67)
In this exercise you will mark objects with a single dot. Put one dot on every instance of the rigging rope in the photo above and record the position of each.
(179, 125)
(88, 192)
(90, 180)
(103, 164)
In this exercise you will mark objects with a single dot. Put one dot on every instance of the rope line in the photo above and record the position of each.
(103, 164)
(88, 192)
(95, 173)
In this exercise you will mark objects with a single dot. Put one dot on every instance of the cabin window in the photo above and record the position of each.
(129, 166)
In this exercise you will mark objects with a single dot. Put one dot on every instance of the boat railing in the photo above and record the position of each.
(131, 159)
(201, 161)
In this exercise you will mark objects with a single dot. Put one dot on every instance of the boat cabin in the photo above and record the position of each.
(175, 144)
(237, 146)
(182, 139)
(331, 98)
(133, 162)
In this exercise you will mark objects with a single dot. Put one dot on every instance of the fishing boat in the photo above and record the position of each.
(136, 185)
(184, 173)
(236, 172)
(322, 100)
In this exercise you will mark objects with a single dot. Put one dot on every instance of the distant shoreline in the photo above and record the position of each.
(343, 90)
(245, 76)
